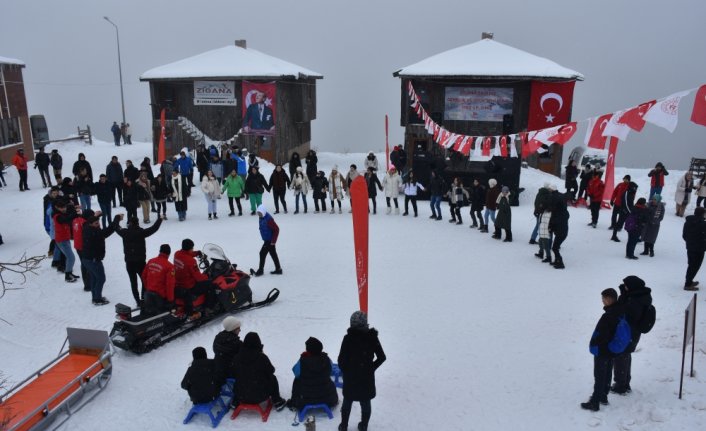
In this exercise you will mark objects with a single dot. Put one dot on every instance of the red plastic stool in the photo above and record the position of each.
(265, 413)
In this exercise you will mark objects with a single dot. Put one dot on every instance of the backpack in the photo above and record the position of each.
(622, 337)
(648, 319)
(631, 222)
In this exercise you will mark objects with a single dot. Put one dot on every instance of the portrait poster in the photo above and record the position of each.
(259, 108)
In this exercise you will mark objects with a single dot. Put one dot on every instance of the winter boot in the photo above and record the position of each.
(539, 254)
(277, 271)
(397, 211)
(333, 210)
(508, 236)
(70, 278)
(433, 215)
(209, 216)
(614, 238)
(591, 405)
(645, 252)
(548, 259)
(652, 250)
(559, 263)
(215, 216)
(532, 241)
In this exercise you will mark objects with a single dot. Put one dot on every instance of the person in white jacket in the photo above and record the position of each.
(336, 188)
(300, 184)
(371, 162)
(392, 183)
(212, 191)
(411, 186)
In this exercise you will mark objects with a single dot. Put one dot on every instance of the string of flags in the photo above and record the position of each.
(662, 112)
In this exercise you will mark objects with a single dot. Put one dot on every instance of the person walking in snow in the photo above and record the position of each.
(411, 188)
(477, 203)
(683, 194)
(437, 189)
(371, 180)
(657, 179)
(545, 235)
(625, 202)
(337, 185)
(595, 195)
(602, 357)
(255, 186)
(360, 356)
(634, 225)
(457, 195)
(655, 214)
(160, 194)
(300, 185)
(20, 162)
(234, 186)
(279, 182)
(558, 224)
(144, 195)
(41, 162)
(504, 217)
(269, 232)
(391, 183)
(135, 251)
(320, 188)
(491, 203)
(694, 235)
(212, 192)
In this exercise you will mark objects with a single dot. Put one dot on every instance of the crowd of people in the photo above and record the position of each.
(361, 353)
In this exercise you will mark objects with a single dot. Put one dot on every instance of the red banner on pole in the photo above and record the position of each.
(610, 170)
(161, 149)
(359, 204)
(550, 104)
(387, 144)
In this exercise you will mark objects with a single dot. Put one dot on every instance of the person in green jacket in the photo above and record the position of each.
(235, 186)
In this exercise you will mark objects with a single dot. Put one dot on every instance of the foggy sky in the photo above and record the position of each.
(629, 51)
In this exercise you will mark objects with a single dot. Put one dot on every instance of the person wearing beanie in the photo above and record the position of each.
(135, 251)
(491, 203)
(625, 202)
(657, 179)
(598, 346)
(371, 162)
(360, 355)
(190, 283)
(337, 186)
(94, 253)
(595, 190)
(398, 158)
(300, 185)
(634, 225)
(694, 235)
(635, 299)
(227, 344)
(158, 282)
(683, 194)
(654, 216)
(255, 380)
(320, 188)
(312, 378)
(202, 380)
(269, 231)
(504, 217)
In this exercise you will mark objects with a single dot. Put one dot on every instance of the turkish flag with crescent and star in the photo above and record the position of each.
(698, 114)
(564, 133)
(633, 116)
(550, 104)
(594, 134)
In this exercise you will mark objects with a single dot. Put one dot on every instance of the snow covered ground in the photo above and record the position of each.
(478, 333)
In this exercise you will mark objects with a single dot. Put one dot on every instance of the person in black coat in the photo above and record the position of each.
(94, 253)
(558, 225)
(84, 186)
(226, 345)
(634, 298)
(694, 234)
(114, 172)
(371, 179)
(437, 189)
(202, 380)
(80, 164)
(41, 162)
(398, 158)
(477, 204)
(161, 192)
(571, 173)
(294, 163)
(57, 162)
(312, 378)
(320, 187)
(68, 191)
(255, 379)
(131, 171)
(311, 165)
(202, 161)
(136, 251)
(360, 355)
(104, 192)
(602, 357)
(130, 198)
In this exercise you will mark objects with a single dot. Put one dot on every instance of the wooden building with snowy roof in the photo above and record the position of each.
(487, 89)
(234, 95)
(15, 129)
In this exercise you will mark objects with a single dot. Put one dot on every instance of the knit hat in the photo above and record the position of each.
(552, 187)
(657, 197)
(262, 210)
(506, 189)
(299, 169)
(335, 168)
(359, 320)
(314, 346)
(230, 324)
(641, 201)
(252, 340)
(492, 182)
(633, 282)
(187, 244)
(199, 353)
(165, 249)
(627, 177)
(610, 293)
(546, 186)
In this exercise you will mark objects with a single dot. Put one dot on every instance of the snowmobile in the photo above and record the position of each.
(137, 331)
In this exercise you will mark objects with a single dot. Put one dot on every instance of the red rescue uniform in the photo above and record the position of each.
(186, 269)
(158, 277)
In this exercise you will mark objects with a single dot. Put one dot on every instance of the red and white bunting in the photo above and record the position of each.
(564, 133)
(616, 129)
(665, 113)
(513, 146)
(698, 114)
(633, 117)
(477, 144)
(594, 134)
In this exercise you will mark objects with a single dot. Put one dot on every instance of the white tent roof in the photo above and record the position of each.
(6, 60)
(229, 62)
(488, 58)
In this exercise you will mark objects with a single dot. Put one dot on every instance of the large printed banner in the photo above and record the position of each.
(550, 104)
(221, 93)
(259, 105)
(477, 104)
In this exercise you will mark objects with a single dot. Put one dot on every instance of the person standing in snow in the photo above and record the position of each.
(115, 130)
(634, 225)
(320, 188)
(657, 179)
(62, 217)
(586, 176)
(269, 231)
(602, 357)
(360, 355)
(94, 253)
(655, 214)
(20, 162)
(625, 201)
(541, 202)
(504, 218)
(398, 158)
(350, 176)
(279, 181)
(180, 193)
(144, 195)
(570, 182)
(57, 163)
(135, 251)
(411, 187)
(391, 183)
(80, 165)
(212, 192)
(457, 195)
(371, 162)
(635, 298)
(437, 187)
(160, 194)
(114, 174)
(595, 195)
(491, 203)
(41, 162)
(300, 185)
(202, 160)
(255, 186)
(694, 235)
(477, 202)
(701, 190)
(311, 165)
(558, 225)
(371, 180)
(545, 235)
(683, 194)
(294, 163)
(616, 202)
(337, 185)
(234, 186)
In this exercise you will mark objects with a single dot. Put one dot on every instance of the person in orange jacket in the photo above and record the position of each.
(159, 280)
(20, 162)
(190, 282)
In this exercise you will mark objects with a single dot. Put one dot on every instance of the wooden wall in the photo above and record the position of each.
(17, 103)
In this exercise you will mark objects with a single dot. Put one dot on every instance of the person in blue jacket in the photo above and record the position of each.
(186, 168)
(269, 231)
(241, 163)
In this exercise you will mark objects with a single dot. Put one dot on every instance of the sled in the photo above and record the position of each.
(52, 394)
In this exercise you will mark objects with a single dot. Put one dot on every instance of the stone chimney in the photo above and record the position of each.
(242, 43)
(484, 35)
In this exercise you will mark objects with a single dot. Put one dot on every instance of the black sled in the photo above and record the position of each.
(139, 332)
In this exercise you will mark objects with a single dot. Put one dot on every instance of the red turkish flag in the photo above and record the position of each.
(594, 135)
(633, 116)
(503, 146)
(550, 104)
(564, 133)
(486, 146)
(698, 115)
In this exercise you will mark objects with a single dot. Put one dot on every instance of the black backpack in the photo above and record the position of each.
(648, 319)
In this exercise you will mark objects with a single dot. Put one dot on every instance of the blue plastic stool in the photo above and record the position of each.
(336, 374)
(207, 408)
(302, 413)
(228, 388)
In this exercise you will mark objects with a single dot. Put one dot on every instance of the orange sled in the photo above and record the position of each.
(52, 394)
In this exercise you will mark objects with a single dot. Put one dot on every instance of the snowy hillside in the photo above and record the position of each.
(479, 334)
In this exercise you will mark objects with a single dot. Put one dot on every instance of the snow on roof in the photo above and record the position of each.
(229, 62)
(6, 60)
(488, 58)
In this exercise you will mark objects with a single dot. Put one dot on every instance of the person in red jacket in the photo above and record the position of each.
(190, 282)
(62, 218)
(158, 278)
(616, 201)
(20, 162)
(77, 231)
(595, 195)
